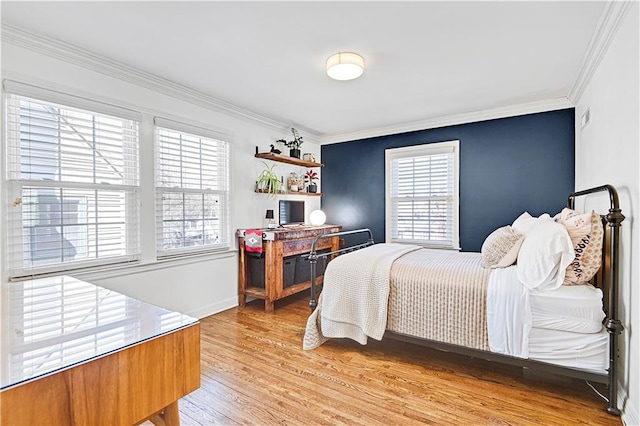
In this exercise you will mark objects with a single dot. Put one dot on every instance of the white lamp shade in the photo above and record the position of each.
(345, 66)
(317, 218)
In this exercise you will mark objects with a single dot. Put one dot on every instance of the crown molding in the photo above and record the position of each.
(452, 120)
(606, 29)
(75, 55)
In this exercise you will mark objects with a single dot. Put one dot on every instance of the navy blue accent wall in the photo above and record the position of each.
(507, 166)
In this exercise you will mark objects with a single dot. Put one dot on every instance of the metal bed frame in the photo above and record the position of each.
(606, 279)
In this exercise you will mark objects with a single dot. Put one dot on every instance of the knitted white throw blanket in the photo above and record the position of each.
(355, 295)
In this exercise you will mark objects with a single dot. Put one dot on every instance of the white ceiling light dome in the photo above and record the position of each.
(345, 66)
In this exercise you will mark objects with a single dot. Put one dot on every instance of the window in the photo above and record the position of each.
(422, 195)
(72, 176)
(192, 189)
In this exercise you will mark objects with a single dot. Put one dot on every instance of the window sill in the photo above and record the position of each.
(157, 265)
(423, 245)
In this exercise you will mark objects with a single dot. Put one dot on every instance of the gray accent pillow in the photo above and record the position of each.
(501, 247)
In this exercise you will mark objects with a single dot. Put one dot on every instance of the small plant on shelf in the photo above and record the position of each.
(294, 145)
(311, 176)
(268, 182)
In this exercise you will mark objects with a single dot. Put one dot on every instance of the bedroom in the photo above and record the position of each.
(604, 75)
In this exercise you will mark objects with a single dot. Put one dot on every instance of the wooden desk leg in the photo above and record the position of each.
(242, 274)
(268, 306)
(168, 416)
(272, 273)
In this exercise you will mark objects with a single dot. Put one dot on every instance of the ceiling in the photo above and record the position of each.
(424, 60)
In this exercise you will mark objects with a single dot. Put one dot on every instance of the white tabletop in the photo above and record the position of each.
(50, 324)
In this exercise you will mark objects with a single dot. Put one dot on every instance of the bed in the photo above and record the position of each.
(542, 294)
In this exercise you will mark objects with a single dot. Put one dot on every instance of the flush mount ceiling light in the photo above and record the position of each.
(345, 66)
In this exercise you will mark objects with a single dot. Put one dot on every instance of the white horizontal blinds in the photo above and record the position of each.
(192, 189)
(73, 187)
(423, 195)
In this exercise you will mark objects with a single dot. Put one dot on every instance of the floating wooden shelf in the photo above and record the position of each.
(285, 159)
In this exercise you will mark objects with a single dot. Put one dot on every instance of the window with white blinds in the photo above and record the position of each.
(192, 189)
(422, 195)
(72, 178)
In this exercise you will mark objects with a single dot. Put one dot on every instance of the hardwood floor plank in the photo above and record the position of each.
(254, 371)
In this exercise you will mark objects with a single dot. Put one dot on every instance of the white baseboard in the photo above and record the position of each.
(630, 415)
(214, 308)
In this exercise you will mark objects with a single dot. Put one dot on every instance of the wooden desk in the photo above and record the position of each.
(77, 354)
(277, 245)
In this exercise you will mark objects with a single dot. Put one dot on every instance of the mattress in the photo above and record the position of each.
(585, 351)
(576, 309)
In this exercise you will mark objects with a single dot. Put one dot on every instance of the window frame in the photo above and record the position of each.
(434, 148)
(224, 194)
(15, 182)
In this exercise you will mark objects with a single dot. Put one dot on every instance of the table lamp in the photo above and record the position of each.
(272, 223)
(317, 218)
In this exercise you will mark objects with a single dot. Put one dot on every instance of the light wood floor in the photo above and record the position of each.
(254, 371)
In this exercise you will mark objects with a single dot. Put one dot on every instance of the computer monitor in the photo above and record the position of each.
(291, 212)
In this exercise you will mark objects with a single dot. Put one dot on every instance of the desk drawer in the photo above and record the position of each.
(304, 246)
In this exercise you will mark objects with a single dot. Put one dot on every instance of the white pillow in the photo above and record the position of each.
(523, 223)
(544, 255)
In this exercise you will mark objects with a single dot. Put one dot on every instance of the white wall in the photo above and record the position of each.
(204, 285)
(607, 151)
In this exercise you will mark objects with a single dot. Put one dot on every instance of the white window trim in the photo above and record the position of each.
(202, 131)
(68, 99)
(417, 150)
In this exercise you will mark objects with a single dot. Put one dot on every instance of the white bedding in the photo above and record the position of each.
(576, 308)
(561, 326)
(509, 318)
(587, 351)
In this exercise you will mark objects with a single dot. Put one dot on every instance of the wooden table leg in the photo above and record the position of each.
(171, 414)
(168, 416)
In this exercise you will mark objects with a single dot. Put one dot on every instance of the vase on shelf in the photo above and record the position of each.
(295, 153)
(295, 183)
(312, 188)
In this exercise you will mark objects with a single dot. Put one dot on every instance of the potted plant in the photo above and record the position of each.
(294, 145)
(310, 177)
(268, 182)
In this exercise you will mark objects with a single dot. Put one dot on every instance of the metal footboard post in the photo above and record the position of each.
(313, 261)
(614, 325)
